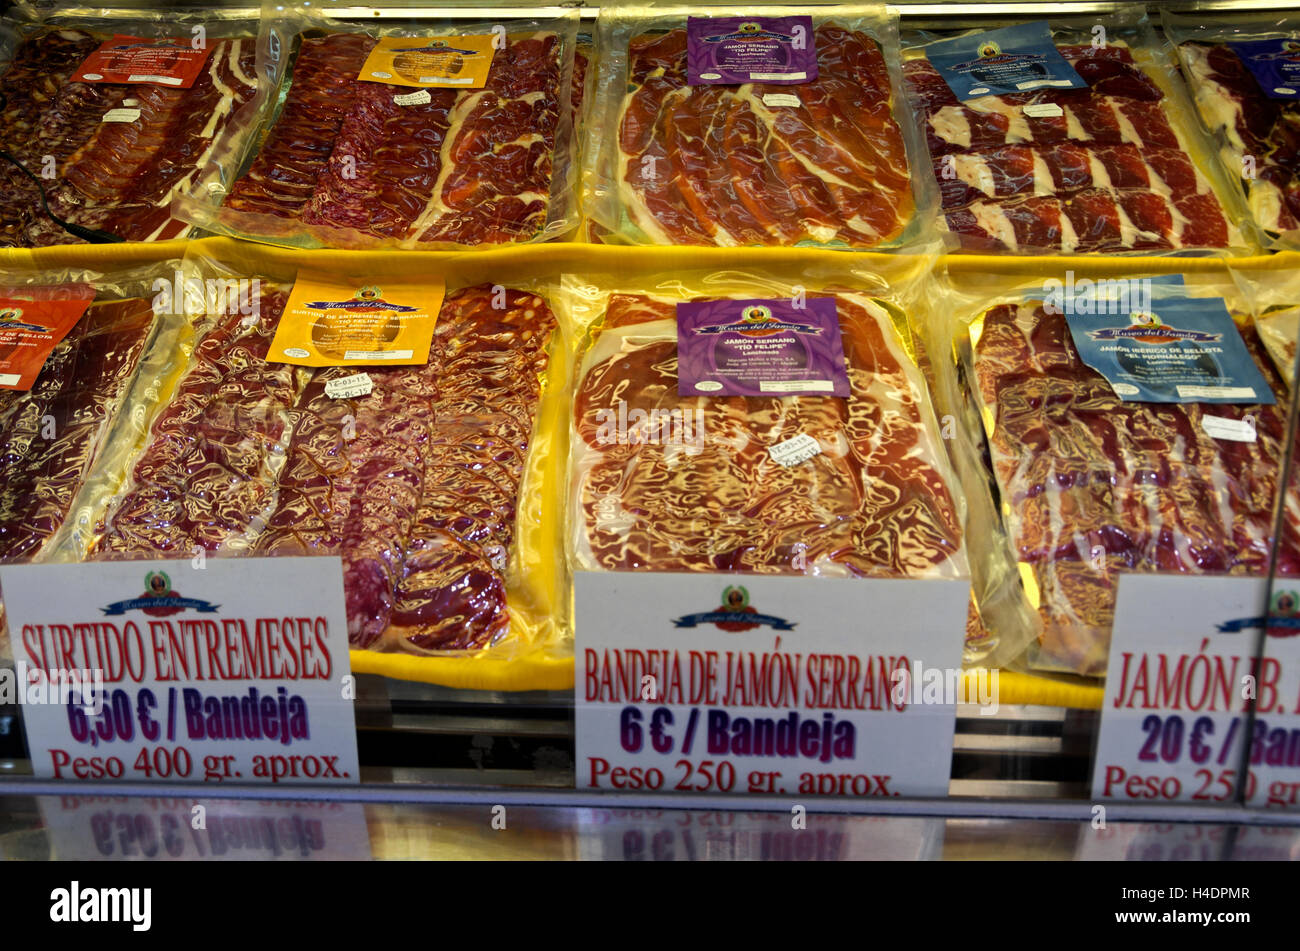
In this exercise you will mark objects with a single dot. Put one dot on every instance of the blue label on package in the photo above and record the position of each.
(731, 50)
(1275, 64)
(1000, 62)
(760, 348)
(1181, 350)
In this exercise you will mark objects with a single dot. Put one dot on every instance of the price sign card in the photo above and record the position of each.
(776, 686)
(1181, 676)
(213, 670)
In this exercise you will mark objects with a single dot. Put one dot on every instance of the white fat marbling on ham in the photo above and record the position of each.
(1018, 130)
(1100, 177)
(974, 171)
(1127, 131)
(994, 220)
(1073, 128)
(1129, 232)
(1069, 239)
(951, 125)
(1044, 183)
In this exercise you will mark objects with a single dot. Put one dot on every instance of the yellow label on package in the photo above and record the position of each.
(333, 323)
(459, 62)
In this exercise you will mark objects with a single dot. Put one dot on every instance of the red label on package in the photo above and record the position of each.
(131, 59)
(29, 331)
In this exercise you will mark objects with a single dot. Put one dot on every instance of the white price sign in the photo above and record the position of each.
(1182, 674)
(767, 685)
(219, 669)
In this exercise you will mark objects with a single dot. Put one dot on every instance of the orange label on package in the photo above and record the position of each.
(333, 323)
(131, 59)
(29, 332)
(459, 61)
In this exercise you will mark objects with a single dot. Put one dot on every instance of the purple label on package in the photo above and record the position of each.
(731, 50)
(760, 348)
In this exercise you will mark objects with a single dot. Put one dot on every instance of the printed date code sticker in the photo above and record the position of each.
(206, 670)
(1181, 674)
(779, 686)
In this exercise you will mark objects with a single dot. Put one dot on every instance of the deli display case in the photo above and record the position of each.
(645, 420)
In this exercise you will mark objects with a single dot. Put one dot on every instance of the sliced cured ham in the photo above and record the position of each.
(1077, 170)
(761, 163)
(116, 176)
(389, 163)
(51, 435)
(1093, 487)
(703, 493)
(414, 486)
(1262, 133)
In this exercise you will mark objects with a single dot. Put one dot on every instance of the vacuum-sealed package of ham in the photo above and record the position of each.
(105, 120)
(1069, 136)
(712, 128)
(1244, 74)
(739, 422)
(421, 133)
(80, 351)
(423, 469)
(1132, 424)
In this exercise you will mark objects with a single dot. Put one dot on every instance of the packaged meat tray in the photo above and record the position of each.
(1244, 73)
(783, 128)
(1104, 462)
(1068, 137)
(432, 134)
(667, 482)
(71, 418)
(431, 486)
(109, 147)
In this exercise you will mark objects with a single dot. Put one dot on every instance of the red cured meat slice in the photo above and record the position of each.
(1151, 123)
(1095, 486)
(496, 174)
(204, 481)
(79, 391)
(385, 162)
(729, 165)
(1094, 215)
(324, 90)
(116, 176)
(874, 502)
